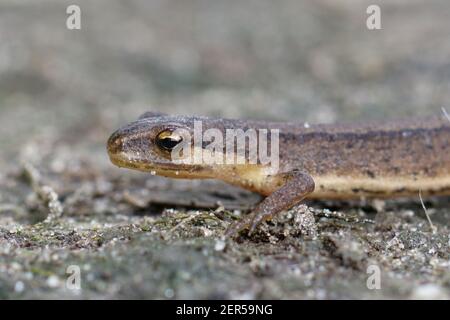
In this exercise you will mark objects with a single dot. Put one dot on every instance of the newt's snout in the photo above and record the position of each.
(115, 143)
(115, 147)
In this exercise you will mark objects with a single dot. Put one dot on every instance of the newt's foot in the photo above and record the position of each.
(250, 222)
(297, 185)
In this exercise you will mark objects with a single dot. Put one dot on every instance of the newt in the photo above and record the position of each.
(396, 158)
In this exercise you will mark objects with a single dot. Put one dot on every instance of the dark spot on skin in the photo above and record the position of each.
(196, 169)
(370, 174)
(367, 192)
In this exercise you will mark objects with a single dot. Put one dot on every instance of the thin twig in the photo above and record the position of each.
(445, 113)
(432, 227)
(45, 193)
(184, 221)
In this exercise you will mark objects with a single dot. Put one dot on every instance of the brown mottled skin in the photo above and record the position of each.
(376, 159)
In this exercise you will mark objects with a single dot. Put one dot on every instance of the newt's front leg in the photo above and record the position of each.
(295, 186)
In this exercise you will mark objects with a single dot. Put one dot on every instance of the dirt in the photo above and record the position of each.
(133, 235)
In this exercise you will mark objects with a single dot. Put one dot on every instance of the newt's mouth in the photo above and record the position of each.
(125, 160)
(167, 169)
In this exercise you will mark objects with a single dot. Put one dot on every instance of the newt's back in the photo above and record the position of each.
(376, 159)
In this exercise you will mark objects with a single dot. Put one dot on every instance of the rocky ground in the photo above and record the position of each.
(134, 235)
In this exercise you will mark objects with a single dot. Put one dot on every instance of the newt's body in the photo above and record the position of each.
(388, 159)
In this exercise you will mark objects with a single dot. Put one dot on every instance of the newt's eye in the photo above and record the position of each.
(167, 140)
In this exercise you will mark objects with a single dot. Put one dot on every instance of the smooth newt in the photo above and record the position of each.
(327, 161)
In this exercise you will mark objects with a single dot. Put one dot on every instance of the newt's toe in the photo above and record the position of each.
(236, 227)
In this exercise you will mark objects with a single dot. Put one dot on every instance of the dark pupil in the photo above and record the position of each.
(168, 143)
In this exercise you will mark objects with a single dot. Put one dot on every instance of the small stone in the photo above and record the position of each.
(169, 293)
(429, 291)
(53, 281)
(19, 286)
(379, 205)
(220, 245)
(305, 222)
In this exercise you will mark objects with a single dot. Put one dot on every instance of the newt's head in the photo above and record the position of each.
(193, 147)
(148, 144)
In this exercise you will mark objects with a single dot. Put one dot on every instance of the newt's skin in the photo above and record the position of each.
(378, 159)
